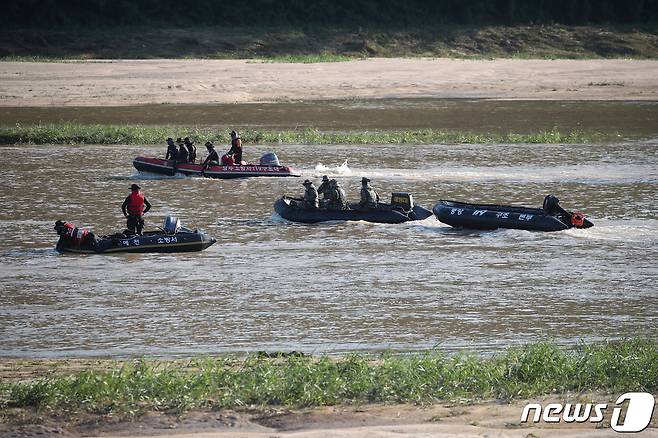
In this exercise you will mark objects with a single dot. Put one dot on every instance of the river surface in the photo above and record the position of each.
(277, 286)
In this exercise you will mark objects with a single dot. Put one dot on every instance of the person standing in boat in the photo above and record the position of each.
(213, 157)
(310, 199)
(324, 190)
(134, 208)
(172, 150)
(369, 197)
(236, 148)
(191, 149)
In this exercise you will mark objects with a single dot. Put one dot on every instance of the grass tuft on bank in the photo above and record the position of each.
(73, 133)
(305, 381)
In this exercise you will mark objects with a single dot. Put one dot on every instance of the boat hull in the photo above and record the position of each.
(154, 241)
(382, 215)
(169, 167)
(491, 217)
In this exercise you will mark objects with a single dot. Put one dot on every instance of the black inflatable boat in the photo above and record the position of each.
(400, 210)
(490, 217)
(169, 239)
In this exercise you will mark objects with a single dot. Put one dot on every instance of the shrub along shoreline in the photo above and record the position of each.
(131, 388)
(78, 134)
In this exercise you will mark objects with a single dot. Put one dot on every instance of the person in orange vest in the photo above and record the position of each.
(71, 236)
(134, 208)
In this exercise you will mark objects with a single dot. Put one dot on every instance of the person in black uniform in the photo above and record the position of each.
(213, 157)
(172, 150)
(236, 148)
(183, 153)
(191, 149)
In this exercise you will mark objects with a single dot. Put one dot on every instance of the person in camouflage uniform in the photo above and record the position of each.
(310, 199)
(369, 197)
(337, 198)
(325, 191)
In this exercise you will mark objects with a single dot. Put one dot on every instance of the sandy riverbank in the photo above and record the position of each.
(108, 83)
(467, 420)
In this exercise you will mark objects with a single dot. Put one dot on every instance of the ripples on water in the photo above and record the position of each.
(273, 285)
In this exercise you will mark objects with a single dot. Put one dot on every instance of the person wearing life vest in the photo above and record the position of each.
(236, 148)
(325, 191)
(336, 198)
(183, 153)
(172, 150)
(191, 149)
(310, 199)
(71, 236)
(213, 157)
(369, 197)
(228, 160)
(134, 208)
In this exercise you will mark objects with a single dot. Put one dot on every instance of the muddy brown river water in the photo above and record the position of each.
(277, 286)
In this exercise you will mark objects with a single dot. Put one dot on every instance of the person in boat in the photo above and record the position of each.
(172, 150)
(134, 208)
(236, 148)
(324, 190)
(337, 199)
(369, 197)
(71, 236)
(310, 199)
(183, 153)
(191, 149)
(228, 160)
(213, 157)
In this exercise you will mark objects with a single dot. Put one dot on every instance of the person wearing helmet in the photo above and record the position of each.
(134, 208)
(236, 148)
(369, 197)
(310, 199)
(191, 149)
(172, 150)
(213, 157)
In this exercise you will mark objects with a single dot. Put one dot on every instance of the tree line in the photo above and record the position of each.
(393, 13)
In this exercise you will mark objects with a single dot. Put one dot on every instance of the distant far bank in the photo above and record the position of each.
(324, 43)
(137, 82)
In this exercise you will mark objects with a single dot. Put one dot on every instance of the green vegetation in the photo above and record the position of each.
(325, 43)
(543, 368)
(73, 133)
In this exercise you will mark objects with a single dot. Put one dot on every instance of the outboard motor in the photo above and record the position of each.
(269, 159)
(402, 200)
(172, 225)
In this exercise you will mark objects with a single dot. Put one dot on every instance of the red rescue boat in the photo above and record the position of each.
(268, 166)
